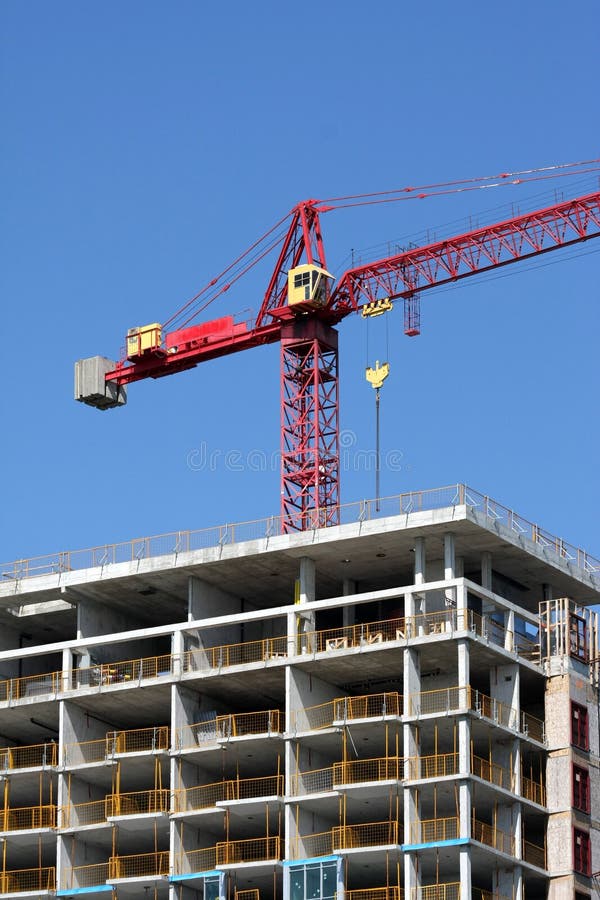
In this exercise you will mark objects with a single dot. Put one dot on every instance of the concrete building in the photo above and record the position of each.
(402, 706)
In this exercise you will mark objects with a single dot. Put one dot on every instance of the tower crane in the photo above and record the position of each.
(300, 309)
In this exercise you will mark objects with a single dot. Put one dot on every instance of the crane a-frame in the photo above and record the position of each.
(301, 307)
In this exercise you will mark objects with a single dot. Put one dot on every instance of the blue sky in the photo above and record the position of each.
(145, 144)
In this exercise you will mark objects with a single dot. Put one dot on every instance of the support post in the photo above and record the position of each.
(309, 425)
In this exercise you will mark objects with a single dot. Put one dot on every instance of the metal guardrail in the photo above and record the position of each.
(177, 542)
(139, 865)
(270, 722)
(16, 881)
(370, 834)
(391, 892)
(428, 830)
(29, 757)
(28, 818)
(343, 709)
(441, 891)
(137, 803)
(90, 875)
(204, 796)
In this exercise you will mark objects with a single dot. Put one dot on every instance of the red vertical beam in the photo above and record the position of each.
(309, 425)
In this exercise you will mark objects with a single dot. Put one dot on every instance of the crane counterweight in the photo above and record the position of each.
(92, 387)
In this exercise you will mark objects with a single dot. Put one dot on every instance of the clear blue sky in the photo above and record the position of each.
(146, 143)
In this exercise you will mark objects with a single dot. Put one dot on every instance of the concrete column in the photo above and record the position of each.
(304, 622)
(449, 556)
(459, 567)
(289, 821)
(487, 607)
(412, 677)
(177, 649)
(67, 667)
(307, 580)
(449, 568)
(420, 560)
(509, 625)
(486, 570)
(465, 871)
(412, 875)
(518, 883)
(464, 745)
(464, 668)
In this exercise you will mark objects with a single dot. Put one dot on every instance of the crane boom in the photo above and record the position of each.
(300, 308)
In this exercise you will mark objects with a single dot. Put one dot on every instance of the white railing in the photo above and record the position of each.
(177, 542)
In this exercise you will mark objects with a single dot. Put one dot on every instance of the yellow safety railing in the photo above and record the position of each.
(249, 788)
(391, 892)
(492, 836)
(438, 765)
(30, 686)
(251, 850)
(31, 756)
(533, 727)
(85, 752)
(359, 770)
(428, 830)
(443, 621)
(269, 721)
(533, 790)
(204, 796)
(137, 803)
(368, 706)
(441, 891)
(93, 812)
(85, 876)
(312, 718)
(492, 772)
(342, 709)
(534, 854)
(202, 860)
(232, 725)
(138, 740)
(446, 699)
(139, 865)
(16, 881)
(122, 672)
(442, 764)
(28, 818)
(242, 654)
(349, 837)
(314, 781)
(309, 845)
(350, 636)
(439, 700)
(249, 894)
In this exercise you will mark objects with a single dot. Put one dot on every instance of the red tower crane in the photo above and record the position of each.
(300, 308)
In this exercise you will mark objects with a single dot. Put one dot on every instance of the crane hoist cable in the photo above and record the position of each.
(376, 376)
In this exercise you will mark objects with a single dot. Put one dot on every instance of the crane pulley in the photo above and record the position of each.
(300, 309)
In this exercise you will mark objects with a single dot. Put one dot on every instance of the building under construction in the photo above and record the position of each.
(401, 706)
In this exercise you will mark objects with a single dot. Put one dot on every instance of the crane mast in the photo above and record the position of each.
(301, 308)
